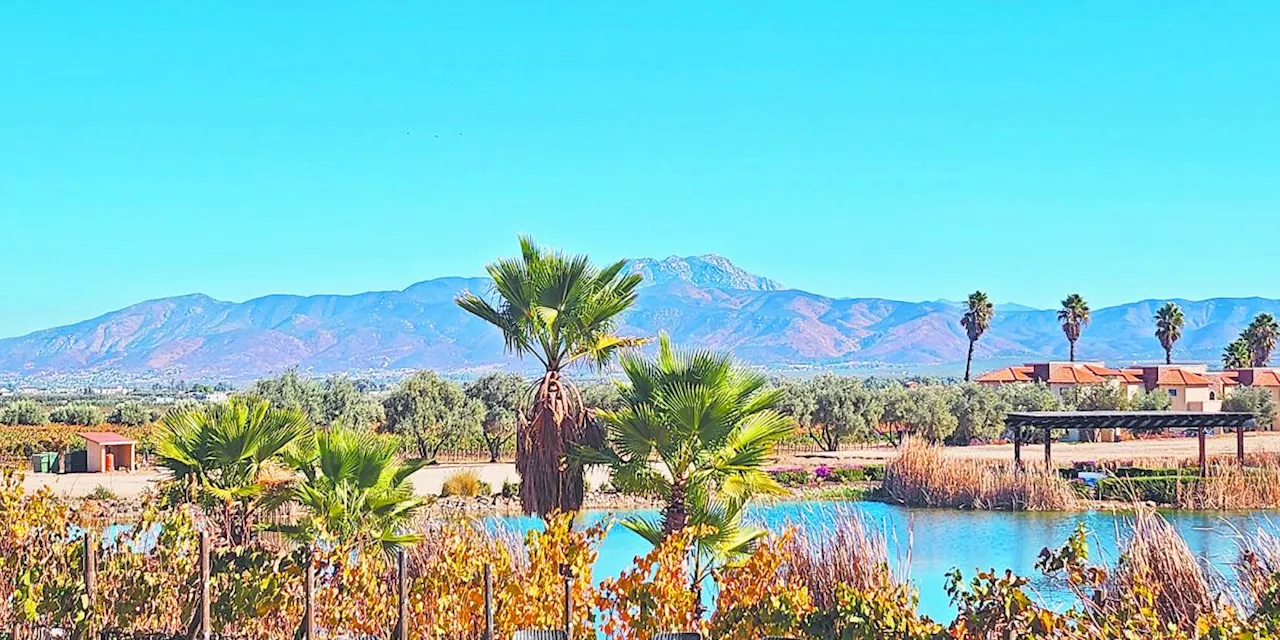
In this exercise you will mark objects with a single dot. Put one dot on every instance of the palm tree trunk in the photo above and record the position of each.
(968, 362)
(675, 516)
(1073, 350)
(549, 481)
(1168, 356)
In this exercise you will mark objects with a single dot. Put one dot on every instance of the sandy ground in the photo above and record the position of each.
(429, 480)
(131, 485)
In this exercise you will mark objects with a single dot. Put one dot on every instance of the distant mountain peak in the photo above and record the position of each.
(708, 270)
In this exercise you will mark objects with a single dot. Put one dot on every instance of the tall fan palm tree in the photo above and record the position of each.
(1169, 323)
(1261, 336)
(711, 427)
(220, 451)
(976, 320)
(354, 487)
(562, 311)
(1237, 355)
(1074, 316)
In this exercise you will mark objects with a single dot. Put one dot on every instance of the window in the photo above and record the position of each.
(1213, 396)
(1173, 392)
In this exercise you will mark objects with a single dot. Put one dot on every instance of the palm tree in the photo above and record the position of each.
(355, 488)
(1074, 316)
(711, 427)
(1237, 355)
(1261, 336)
(1168, 328)
(220, 452)
(976, 320)
(562, 310)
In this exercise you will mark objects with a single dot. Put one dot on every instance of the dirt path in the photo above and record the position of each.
(132, 485)
(1064, 452)
(428, 480)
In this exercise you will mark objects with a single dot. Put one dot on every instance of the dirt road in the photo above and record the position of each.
(1064, 452)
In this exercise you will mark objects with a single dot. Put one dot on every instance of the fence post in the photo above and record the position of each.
(206, 625)
(309, 587)
(402, 588)
(567, 572)
(90, 577)
(488, 602)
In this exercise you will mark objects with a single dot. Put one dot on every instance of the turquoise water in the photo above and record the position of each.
(938, 540)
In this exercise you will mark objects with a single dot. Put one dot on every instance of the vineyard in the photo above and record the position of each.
(166, 576)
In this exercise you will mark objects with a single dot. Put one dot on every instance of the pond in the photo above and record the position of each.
(939, 540)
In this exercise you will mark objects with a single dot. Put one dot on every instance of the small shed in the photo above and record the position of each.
(104, 445)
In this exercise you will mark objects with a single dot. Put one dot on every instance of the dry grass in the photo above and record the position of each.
(1227, 487)
(465, 483)
(1157, 558)
(922, 476)
(1258, 567)
(846, 551)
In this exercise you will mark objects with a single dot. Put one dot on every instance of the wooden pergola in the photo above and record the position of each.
(1134, 420)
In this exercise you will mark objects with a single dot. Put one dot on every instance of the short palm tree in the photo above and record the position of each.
(1169, 323)
(221, 450)
(1074, 316)
(1237, 355)
(976, 320)
(710, 427)
(355, 487)
(1261, 336)
(562, 310)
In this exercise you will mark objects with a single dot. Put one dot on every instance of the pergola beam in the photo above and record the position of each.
(1047, 421)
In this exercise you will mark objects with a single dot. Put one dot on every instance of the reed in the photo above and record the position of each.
(1258, 569)
(847, 552)
(923, 476)
(1228, 487)
(1157, 561)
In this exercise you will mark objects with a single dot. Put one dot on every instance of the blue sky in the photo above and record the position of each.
(903, 150)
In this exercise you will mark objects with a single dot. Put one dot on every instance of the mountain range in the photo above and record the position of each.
(703, 301)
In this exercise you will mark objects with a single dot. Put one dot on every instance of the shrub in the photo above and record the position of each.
(510, 489)
(847, 474)
(792, 476)
(874, 472)
(24, 412)
(102, 493)
(80, 414)
(1140, 472)
(465, 483)
(1158, 489)
(130, 413)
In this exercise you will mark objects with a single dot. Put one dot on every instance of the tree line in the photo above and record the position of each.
(1252, 348)
(834, 410)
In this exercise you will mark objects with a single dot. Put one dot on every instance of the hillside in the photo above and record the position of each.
(703, 301)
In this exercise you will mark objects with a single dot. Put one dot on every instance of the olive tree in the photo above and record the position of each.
(24, 412)
(432, 413)
(1257, 401)
(924, 411)
(832, 409)
(499, 396)
(979, 414)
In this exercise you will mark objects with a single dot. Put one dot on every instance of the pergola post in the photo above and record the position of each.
(1048, 449)
(1204, 460)
(1240, 444)
(1017, 446)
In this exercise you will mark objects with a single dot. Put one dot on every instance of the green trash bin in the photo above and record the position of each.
(40, 463)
